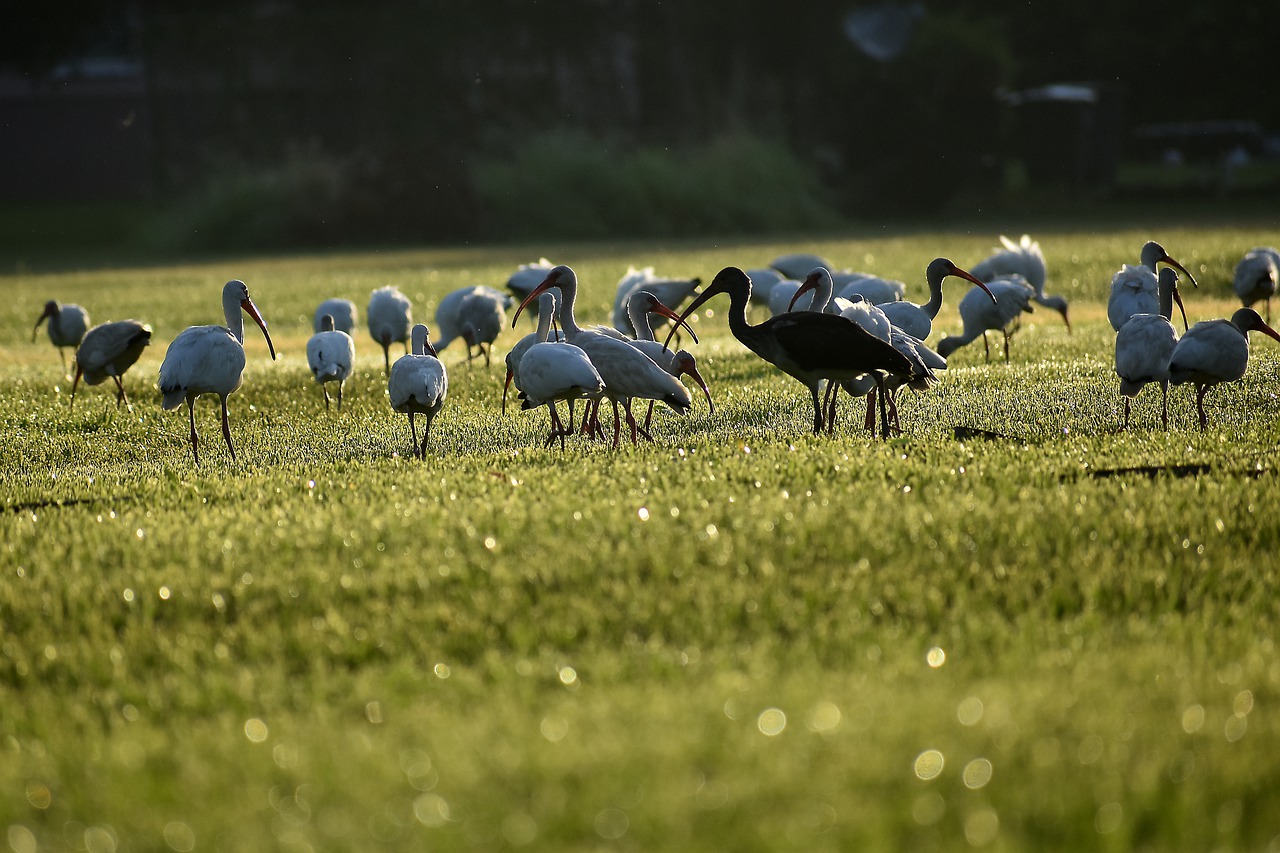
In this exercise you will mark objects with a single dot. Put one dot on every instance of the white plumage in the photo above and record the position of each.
(1144, 346)
(475, 314)
(1136, 292)
(343, 312)
(1215, 351)
(110, 349)
(1256, 275)
(642, 308)
(417, 385)
(390, 314)
(67, 325)
(528, 276)
(210, 360)
(547, 311)
(873, 288)
(550, 371)
(1024, 259)
(331, 353)
(671, 292)
(917, 320)
(979, 314)
(628, 373)
(797, 264)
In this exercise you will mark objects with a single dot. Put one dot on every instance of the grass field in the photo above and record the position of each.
(738, 637)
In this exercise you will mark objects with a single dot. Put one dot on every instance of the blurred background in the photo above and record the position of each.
(256, 124)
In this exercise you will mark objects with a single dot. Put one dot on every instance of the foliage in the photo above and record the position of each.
(741, 636)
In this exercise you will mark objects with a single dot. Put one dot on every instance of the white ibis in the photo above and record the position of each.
(806, 345)
(763, 280)
(547, 311)
(797, 264)
(782, 297)
(819, 283)
(1024, 259)
(331, 353)
(1256, 276)
(67, 325)
(1215, 351)
(628, 373)
(110, 349)
(550, 371)
(1144, 345)
(979, 314)
(1135, 290)
(671, 292)
(917, 320)
(476, 314)
(641, 308)
(418, 385)
(343, 312)
(210, 360)
(390, 314)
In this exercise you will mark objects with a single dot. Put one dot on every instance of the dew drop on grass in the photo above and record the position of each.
(771, 722)
(936, 657)
(643, 513)
(929, 764)
(255, 730)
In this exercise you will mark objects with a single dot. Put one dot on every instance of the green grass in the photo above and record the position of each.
(739, 637)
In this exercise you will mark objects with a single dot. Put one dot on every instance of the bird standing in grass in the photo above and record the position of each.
(979, 314)
(343, 312)
(67, 325)
(210, 360)
(1024, 259)
(390, 314)
(1256, 276)
(331, 353)
(1215, 351)
(1144, 346)
(110, 349)
(476, 314)
(1136, 289)
(418, 385)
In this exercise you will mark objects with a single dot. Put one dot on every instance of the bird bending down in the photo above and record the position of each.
(806, 345)
(110, 349)
(979, 314)
(640, 309)
(1136, 290)
(1144, 346)
(390, 314)
(1024, 259)
(343, 312)
(627, 373)
(210, 360)
(549, 371)
(1256, 276)
(671, 292)
(331, 353)
(1215, 351)
(67, 325)
(417, 385)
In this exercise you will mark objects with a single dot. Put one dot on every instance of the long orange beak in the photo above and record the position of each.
(1171, 262)
(252, 311)
(692, 370)
(659, 308)
(547, 283)
(688, 312)
(965, 274)
(809, 284)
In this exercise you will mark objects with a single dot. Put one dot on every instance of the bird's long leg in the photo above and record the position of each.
(817, 409)
(340, 384)
(325, 388)
(1006, 346)
(413, 431)
(884, 412)
(62, 355)
(79, 370)
(986, 347)
(121, 395)
(226, 427)
(486, 353)
(828, 406)
(568, 428)
(426, 433)
(649, 416)
(195, 440)
(1126, 413)
(587, 426)
(893, 412)
(1204, 418)
(386, 357)
(617, 425)
(869, 422)
(1164, 404)
(631, 420)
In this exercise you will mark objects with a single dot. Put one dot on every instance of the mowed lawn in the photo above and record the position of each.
(1042, 634)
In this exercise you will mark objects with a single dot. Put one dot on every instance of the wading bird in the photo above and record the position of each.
(806, 345)
(343, 312)
(1215, 351)
(331, 353)
(671, 292)
(1256, 275)
(475, 314)
(627, 373)
(917, 320)
(550, 371)
(110, 349)
(979, 314)
(67, 325)
(418, 385)
(1144, 346)
(1024, 259)
(210, 360)
(642, 307)
(390, 314)
(1136, 290)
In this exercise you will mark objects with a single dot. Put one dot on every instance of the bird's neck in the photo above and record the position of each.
(934, 305)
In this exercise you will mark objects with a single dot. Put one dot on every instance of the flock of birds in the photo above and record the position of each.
(830, 330)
